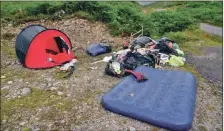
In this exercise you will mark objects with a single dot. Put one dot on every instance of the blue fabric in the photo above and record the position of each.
(96, 49)
(166, 99)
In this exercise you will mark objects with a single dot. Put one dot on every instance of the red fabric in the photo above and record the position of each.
(138, 75)
(125, 44)
(37, 57)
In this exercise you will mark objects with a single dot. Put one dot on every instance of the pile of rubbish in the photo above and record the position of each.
(142, 51)
(38, 47)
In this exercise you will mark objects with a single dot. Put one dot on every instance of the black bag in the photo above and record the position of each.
(141, 41)
(135, 59)
(163, 47)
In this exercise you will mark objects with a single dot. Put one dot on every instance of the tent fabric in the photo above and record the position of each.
(166, 99)
(24, 39)
(44, 48)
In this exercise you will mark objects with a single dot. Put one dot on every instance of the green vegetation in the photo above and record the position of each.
(210, 12)
(35, 100)
(193, 39)
(121, 17)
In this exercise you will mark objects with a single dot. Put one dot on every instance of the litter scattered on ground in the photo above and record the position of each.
(105, 59)
(175, 61)
(93, 68)
(141, 53)
(97, 49)
(147, 52)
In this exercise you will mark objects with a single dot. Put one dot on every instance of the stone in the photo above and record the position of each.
(60, 93)
(3, 77)
(53, 88)
(12, 63)
(49, 79)
(22, 123)
(8, 63)
(10, 82)
(66, 23)
(5, 88)
(62, 121)
(37, 119)
(42, 85)
(20, 80)
(26, 91)
(4, 121)
(49, 85)
(132, 129)
(56, 83)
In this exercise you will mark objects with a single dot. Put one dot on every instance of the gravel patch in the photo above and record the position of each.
(209, 64)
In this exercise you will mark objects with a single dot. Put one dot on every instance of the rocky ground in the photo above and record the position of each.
(209, 64)
(42, 100)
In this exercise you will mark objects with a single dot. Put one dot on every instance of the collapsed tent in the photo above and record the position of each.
(39, 47)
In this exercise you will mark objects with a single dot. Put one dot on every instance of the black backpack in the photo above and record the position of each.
(135, 59)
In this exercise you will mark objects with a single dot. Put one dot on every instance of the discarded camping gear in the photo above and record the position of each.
(138, 75)
(115, 68)
(135, 59)
(140, 42)
(39, 47)
(97, 49)
(164, 58)
(125, 45)
(165, 46)
(66, 66)
(166, 99)
(105, 59)
(175, 61)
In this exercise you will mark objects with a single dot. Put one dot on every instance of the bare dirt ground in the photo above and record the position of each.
(41, 100)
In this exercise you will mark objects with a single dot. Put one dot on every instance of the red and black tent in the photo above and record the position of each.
(39, 47)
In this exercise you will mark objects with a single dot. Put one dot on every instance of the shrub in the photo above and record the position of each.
(169, 21)
(69, 6)
(85, 15)
(40, 9)
(20, 14)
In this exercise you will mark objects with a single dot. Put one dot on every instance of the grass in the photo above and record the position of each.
(193, 40)
(202, 128)
(35, 100)
(6, 46)
(12, 74)
(191, 68)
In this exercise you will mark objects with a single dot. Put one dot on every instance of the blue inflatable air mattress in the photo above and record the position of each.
(166, 99)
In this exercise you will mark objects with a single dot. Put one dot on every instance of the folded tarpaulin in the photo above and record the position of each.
(97, 49)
